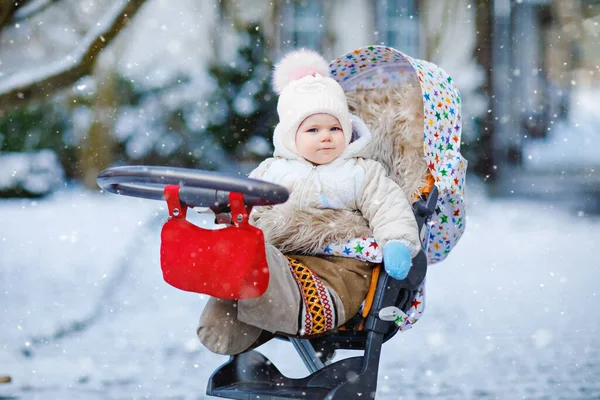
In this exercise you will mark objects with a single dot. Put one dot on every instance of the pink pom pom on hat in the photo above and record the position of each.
(301, 78)
(298, 64)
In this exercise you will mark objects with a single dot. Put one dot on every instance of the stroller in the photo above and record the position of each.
(413, 110)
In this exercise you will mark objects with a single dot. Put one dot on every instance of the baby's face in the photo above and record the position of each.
(320, 139)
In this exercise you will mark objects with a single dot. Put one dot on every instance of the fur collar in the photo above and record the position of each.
(395, 116)
(293, 230)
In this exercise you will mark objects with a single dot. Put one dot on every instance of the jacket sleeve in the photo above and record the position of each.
(259, 172)
(384, 204)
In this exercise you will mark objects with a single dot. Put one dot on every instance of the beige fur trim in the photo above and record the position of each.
(395, 117)
(292, 230)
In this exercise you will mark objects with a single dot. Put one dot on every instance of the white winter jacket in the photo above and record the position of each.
(346, 198)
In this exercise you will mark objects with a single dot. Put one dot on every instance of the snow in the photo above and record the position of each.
(570, 144)
(512, 313)
(260, 146)
(29, 9)
(36, 172)
(168, 40)
(40, 73)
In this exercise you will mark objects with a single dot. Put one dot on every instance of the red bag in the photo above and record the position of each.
(227, 263)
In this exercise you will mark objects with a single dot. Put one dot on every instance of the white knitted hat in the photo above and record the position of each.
(302, 81)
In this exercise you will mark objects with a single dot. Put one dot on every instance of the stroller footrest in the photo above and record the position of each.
(266, 390)
(251, 376)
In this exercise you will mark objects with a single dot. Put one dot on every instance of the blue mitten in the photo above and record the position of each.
(397, 260)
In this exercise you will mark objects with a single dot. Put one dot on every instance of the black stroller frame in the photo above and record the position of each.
(251, 375)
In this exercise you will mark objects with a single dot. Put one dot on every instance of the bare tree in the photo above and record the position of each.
(96, 149)
(29, 8)
(485, 166)
(23, 87)
(7, 10)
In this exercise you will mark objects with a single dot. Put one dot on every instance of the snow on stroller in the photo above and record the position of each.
(413, 110)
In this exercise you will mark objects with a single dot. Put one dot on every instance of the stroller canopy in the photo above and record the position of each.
(374, 67)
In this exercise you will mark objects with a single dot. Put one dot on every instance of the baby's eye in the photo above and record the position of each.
(335, 128)
(313, 130)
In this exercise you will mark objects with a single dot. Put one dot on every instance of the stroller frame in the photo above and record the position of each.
(250, 375)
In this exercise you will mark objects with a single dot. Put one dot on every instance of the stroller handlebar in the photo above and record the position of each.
(198, 188)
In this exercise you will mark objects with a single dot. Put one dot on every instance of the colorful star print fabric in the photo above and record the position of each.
(405, 321)
(364, 249)
(367, 249)
(378, 66)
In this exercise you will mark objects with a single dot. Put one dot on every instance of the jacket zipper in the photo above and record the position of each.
(306, 184)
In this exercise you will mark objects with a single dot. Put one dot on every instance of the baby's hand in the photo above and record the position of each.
(397, 260)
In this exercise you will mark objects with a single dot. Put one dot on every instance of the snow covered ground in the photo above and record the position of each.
(514, 313)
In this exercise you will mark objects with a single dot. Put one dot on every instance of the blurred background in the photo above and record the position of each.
(89, 84)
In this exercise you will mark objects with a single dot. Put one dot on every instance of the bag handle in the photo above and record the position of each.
(177, 209)
(239, 211)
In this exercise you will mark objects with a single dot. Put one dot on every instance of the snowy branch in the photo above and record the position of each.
(31, 8)
(7, 9)
(35, 83)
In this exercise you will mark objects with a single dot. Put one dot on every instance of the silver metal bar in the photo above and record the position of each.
(308, 354)
(198, 188)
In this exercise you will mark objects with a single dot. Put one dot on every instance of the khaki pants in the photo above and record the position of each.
(307, 295)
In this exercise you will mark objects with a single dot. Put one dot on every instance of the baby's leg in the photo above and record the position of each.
(296, 302)
(221, 332)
